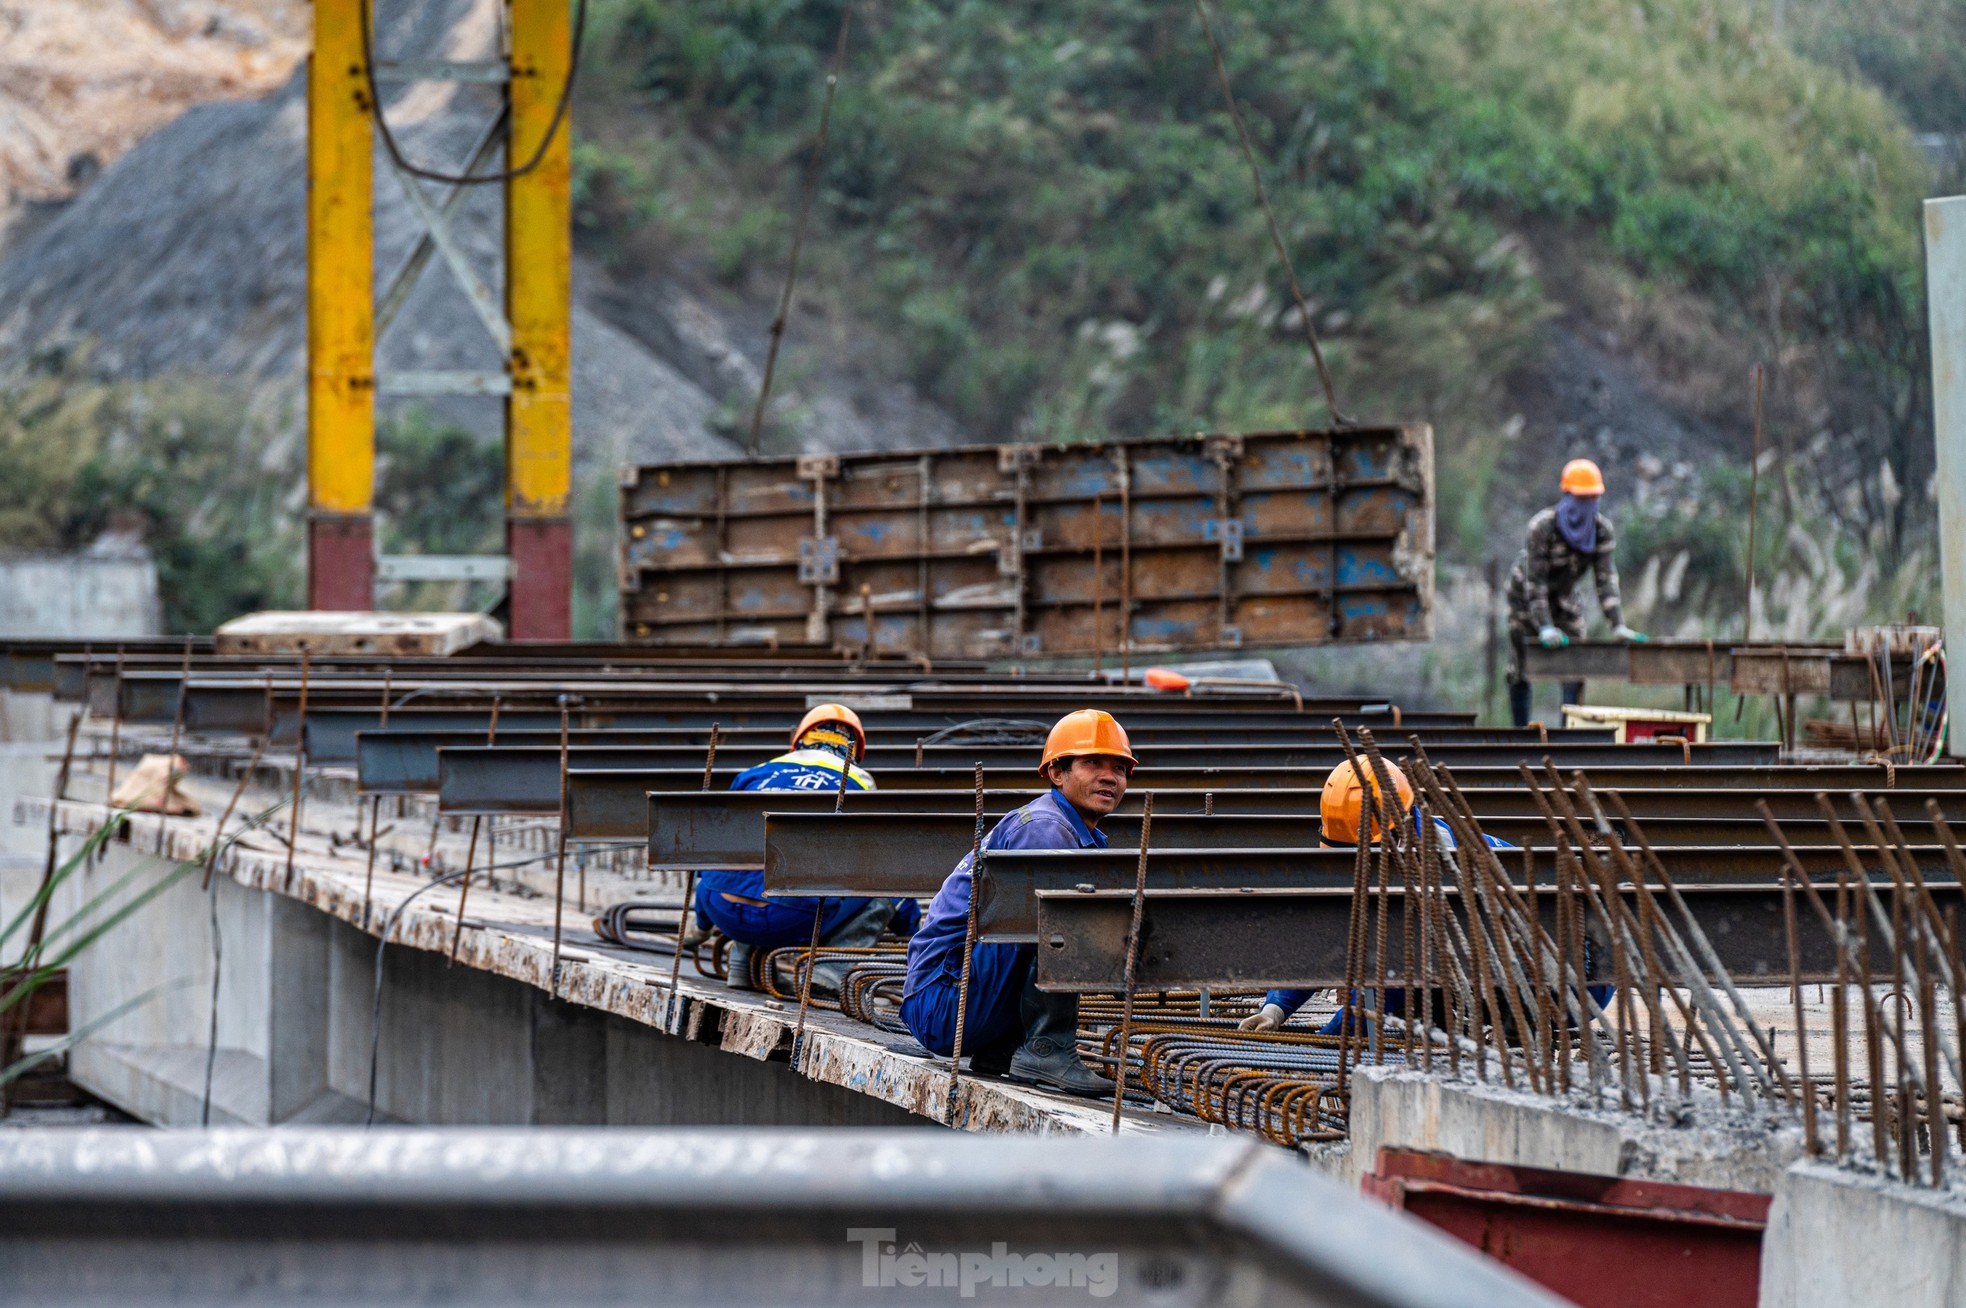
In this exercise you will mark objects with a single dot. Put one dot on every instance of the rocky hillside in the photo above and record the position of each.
(1548, 231)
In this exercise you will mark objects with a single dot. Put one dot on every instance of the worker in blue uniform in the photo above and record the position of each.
(1010, 1026)
(1342, 815)
(827, 743)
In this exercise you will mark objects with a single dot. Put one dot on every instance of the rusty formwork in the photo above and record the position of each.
(1142, 546)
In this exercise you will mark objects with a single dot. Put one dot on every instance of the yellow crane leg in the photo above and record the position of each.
(340, 316)
(538, 303)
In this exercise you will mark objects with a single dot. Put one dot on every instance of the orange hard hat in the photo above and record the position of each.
(1342, 800)
(1582, 477)
(1086, 731)
(1165, 679)
(839, 713)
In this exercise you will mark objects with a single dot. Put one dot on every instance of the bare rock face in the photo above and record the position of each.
(81, 81)
(188, 255)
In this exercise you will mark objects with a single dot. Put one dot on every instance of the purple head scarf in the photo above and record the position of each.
(1576, 518)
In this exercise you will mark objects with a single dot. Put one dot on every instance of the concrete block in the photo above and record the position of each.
(1837, 1239)
(1489, 1123)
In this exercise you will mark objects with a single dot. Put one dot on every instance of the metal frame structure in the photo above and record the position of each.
(346, 322)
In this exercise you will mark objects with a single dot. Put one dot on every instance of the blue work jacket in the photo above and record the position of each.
(1047, 822)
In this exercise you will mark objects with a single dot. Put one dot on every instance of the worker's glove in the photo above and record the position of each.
(1267, 1018)
(1622, 632)
(1552, 638)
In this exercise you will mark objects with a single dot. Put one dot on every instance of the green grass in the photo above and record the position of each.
(1044, 205)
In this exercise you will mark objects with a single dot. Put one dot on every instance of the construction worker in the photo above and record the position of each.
(826, 748)
(1011, 1027)
(1563, 542)
(1342, 813)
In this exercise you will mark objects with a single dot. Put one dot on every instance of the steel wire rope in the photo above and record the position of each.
(753, 443)
(367, 24)
(1269, 216)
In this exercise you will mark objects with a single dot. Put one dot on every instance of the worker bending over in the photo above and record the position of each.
(1342, 813)
(1563, 543)
(826, 748)
(1012, 1027)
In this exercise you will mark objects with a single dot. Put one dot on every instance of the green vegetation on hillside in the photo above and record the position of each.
(1044, 205)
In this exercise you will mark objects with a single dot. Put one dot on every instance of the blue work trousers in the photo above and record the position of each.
(998, 977)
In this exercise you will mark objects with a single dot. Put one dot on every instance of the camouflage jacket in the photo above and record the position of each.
(1543, 582)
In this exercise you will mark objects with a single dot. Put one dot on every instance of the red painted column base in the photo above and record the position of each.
(341, 563)
(542, 578)
(1598, 1241)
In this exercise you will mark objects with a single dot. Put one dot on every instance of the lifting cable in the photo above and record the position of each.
(1338, 418)
(467, 178)
(753, 444)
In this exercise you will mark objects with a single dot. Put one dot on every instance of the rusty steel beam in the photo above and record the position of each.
(1297, 936)
(1011, 882)
(692, 829)
(387, 765)
(405, 762)
(900, 853)
(527, 781)
(1801, 668)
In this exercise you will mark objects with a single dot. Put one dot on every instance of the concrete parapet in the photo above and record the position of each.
(1490, 1123)
(1837, 1239)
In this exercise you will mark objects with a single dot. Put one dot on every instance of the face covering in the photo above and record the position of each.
(1576, 518)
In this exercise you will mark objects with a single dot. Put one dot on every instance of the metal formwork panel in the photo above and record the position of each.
(1160, 546)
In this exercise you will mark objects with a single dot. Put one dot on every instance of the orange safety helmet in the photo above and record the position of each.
(1582, 477)
(839, 713)
(1339, 807)
(1086, 731)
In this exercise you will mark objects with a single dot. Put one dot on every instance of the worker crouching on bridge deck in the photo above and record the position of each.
(1341, 816)
(1011, 1027)
(1562, 544)
(827, 743)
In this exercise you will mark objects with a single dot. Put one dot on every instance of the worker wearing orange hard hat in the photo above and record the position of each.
(1350, 810)
(1010, 1027)
(1563, 543)
(827, 746)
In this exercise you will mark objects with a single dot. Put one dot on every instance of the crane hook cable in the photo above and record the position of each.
(753, 443)
(1338, 418)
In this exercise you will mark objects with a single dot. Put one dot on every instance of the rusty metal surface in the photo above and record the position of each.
(492, 780)
(1215, 541)
(1599, 1241)
(406, 761)
(1801, 668)
(1267, 936)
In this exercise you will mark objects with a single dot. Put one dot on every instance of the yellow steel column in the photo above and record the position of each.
(538, 302)
(340, 315)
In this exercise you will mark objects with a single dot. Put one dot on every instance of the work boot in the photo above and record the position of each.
(859, 931)
(1044, 1062)
(740, 967)
(992, 1062)
(1049, 1056)
(1519, 703)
